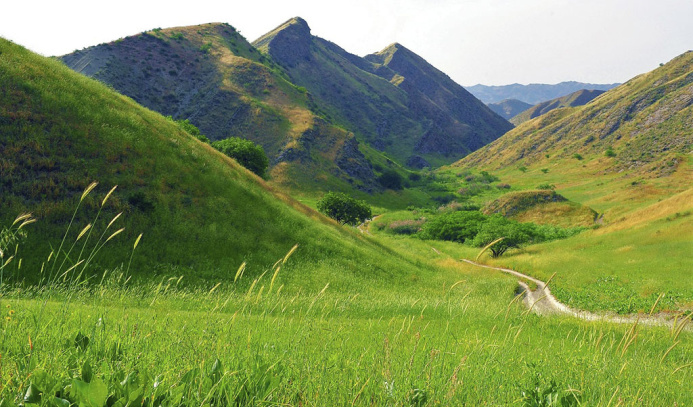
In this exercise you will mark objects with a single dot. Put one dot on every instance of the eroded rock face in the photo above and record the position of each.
(354, 163)
(291, 45)
(418, 162)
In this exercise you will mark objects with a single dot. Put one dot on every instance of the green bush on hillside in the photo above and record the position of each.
(247, 153)
(190, 129)
(344, 209)
(391, 179)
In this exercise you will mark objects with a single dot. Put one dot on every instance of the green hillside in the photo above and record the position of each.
(393, 113)
(201, 214)
(210, 75)
(627, 156)
(579, 98)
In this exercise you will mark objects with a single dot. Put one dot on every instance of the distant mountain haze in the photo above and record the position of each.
(579, 98)
(509, 108)
(533, 93)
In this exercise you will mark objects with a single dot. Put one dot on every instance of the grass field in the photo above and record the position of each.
(451, 335)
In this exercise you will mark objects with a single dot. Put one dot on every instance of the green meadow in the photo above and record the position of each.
(184, 279)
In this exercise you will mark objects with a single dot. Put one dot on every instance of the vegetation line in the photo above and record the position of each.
(542, 302)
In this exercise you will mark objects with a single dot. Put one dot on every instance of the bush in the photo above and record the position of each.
(546, 187)
(455, 226)
(247, 153)
(513, 233)
(344, 209)
(391, 179)
(577, 156)
(610, 153)
(405, 227)
(190, 129)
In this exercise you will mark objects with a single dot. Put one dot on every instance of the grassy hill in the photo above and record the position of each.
(201, 214)
(417, 116)
(508, 108)
(212, 76)
(346, 320)
(626, 155)
(579, 98)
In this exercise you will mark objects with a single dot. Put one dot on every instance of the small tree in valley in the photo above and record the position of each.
(344, 209)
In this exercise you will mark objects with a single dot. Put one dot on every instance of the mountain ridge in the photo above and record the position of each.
(533, 93)
(579, 98)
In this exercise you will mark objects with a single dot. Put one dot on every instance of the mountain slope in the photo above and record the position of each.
(579, 98)
(509, 108)
(533, 93)
(409, 118)
(647, 123)
(201, 214)
(212, 76)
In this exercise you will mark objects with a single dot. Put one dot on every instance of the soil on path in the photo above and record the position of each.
(542, 302)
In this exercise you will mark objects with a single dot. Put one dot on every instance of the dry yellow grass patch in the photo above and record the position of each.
(678, 203)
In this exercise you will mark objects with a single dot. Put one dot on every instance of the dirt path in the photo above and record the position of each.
(542, 302)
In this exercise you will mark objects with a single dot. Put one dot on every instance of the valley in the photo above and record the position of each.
(139, 265)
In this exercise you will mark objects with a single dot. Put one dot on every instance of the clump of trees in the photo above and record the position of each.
(479, 230)
(247, 153)
(344, 209)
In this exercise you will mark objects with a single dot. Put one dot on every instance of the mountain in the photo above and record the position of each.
(212, 76)
(509, 108)
(579, 98)
(533, 93)
(201, 214)
(644, 126)
(393, 100)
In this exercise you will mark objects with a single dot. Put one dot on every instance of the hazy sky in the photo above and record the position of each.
(494, 42)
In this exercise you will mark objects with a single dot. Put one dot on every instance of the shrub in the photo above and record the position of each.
(522, 168)
(503, 186)
(414, 176)
(577, 156)
(405, 227)
(390, 179)
(190, 129)
(455, 226)
(545, 170)
(344, 209)
(247, 153)
(513, 233)
(609, 152)
(546, 186)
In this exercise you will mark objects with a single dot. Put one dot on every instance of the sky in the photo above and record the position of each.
(492, 42)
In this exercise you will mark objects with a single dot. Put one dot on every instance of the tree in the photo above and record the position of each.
(190, 129)
(514, 234)
(247, 153)
(455, 226)
(344, 209)
(390, 179)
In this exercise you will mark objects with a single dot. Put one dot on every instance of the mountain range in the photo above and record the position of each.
(534, 93)
(579, 98)
(644, 126)
(326, 118)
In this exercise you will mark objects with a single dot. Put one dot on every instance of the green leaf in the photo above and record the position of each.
(33, 394)
(58, 402)
(87, 372)
(92, 394)
(81, 341)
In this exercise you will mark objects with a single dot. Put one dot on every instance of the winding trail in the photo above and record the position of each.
(542, 302)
